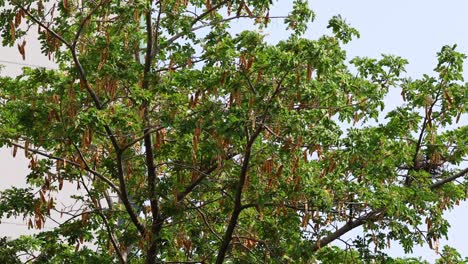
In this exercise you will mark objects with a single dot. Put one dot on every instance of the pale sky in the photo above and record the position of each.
(412, 29)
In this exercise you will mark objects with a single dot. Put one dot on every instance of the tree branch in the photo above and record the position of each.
(376, 214)
(52, 32)
(87, 168)
(148, 131)
(371, 216)
(238, 198)
(181, 34)
(156, 31)
(157, 220)
(110, 233)
(99, 106)
(194, 184)
(427, 118)
(244, 73)
(449, 179)
(124, 197)
(82, 24)
(205, 220)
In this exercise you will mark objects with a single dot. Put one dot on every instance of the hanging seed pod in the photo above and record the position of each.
(305, 220)
(171, 65)
(458, 117)
(158, 141)
(176, 7)
(309, 72)
(238, 97)
(195, 143)
(239, 10)
(42, 197)
(248, 10)
(223, 78)
(208, 5)
(196, 138)
(26, 148)
(22, 50)
(279, 171)
(229, 8)
(13, 31)
(18, 17)
(196, 98)
(349, 99)
(266, 20)
(355, 118)
(249, 63)
(448, 98)
(231, 99)
(15, 150)
(242, 61)
(136, 15)
(66, 6)
(403, 94)
(40, 8)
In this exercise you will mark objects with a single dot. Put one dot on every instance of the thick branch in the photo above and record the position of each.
(195, 183)
(427, 119)
(372, 216)
(449, 179)
(376, 214)
(156, 224)
(124, 197)
(238, 199)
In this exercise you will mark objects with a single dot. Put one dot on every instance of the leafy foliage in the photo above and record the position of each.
(190, 143)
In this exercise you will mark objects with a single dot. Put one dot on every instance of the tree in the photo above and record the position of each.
(220, 147)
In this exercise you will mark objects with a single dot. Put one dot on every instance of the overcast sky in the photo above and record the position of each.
(412, 29)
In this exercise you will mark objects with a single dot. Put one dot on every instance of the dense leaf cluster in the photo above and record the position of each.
(188, 143)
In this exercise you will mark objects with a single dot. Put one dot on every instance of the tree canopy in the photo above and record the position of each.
(188, 143)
